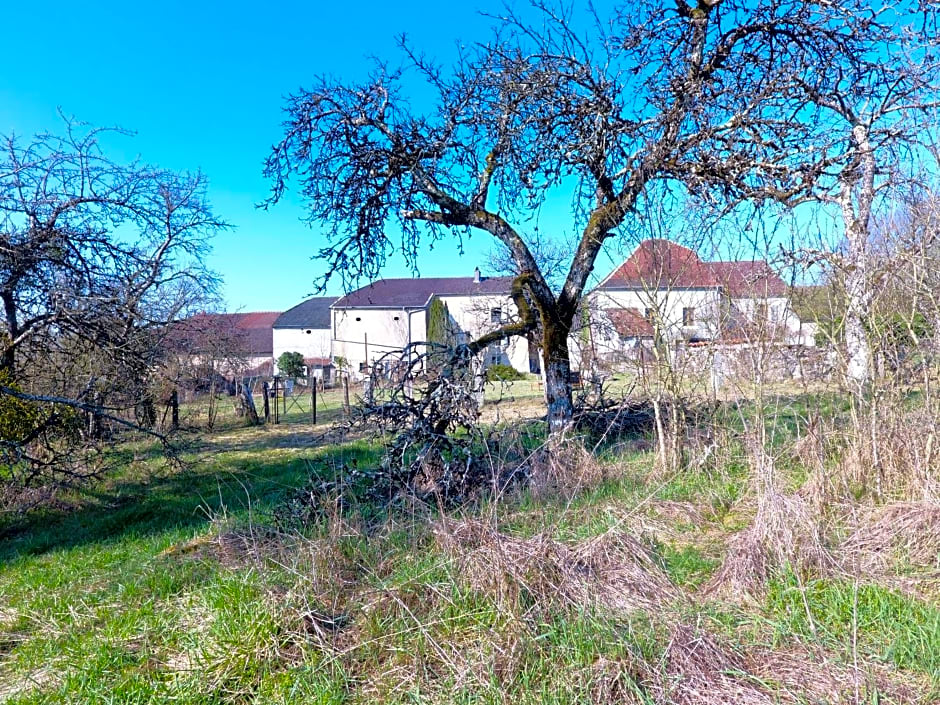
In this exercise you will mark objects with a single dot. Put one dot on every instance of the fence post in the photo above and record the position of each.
(174, 410)
(266, 390)
(346, 394)
(277, 408)
(313, 400)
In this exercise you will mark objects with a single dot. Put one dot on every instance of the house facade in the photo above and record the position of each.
(388, 315)
(307, 329)
(664, 290)
(234, 344)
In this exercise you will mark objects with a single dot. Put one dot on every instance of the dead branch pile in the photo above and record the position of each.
(614, 571)
(608, 421)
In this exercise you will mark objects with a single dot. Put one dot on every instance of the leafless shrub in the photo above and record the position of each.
(615, 571)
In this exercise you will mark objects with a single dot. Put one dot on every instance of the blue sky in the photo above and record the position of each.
(202, 84)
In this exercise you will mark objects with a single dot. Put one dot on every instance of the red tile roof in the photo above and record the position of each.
(318, 361)
(252, 333)
(661, 264)
(417, 292)
(629, 322)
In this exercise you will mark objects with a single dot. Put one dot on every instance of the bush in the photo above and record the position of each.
(291, 364)
(503, 373)
(18, 418)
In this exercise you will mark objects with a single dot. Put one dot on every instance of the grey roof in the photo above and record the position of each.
(312, 313)
(399, 293)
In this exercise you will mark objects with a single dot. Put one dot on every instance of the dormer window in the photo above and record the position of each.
(688, 316)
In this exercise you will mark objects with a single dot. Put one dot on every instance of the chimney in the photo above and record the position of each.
(476, 275)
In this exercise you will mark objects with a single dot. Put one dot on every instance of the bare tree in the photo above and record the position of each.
(871, 115)
(696, 97)
(96, 258)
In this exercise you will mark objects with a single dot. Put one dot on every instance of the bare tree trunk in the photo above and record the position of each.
(248, 402)
(855, 200)
(557, 379)
(94, 419)
(174, 410)
(857, 350)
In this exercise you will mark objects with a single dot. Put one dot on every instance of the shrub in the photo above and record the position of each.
(18, 418)
(503, 373)
(291, 364)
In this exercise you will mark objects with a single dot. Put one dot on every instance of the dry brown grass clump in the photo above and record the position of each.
(613, 571)
(696, 670)
(786, 532)
(564, 470)
(905, 531)
(891, 453)
(802, 675)
(232, 549)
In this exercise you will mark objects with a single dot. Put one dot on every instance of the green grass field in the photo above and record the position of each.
(161, 584)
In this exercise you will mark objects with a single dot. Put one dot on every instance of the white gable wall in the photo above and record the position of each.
(473, 315)
(361, 335)
(391, 329)
(309, 342)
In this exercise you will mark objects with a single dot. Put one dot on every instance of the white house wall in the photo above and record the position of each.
(472, 315)
(362, 335)
(309, 342)
(391, 329)
(780, 313)
(668, 304)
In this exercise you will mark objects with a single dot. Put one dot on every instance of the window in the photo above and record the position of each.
(688, 316)
(363, 367)
(397, 318)
(308, 331)
(358, 318)
(761, 312)
(649, 314)
(494, 353)
(496, 315)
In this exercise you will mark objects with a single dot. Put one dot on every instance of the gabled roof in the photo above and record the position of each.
(417, 293)
(251, 333)
(661, 264)
(748, 278)
(312, 313)
(629, 322)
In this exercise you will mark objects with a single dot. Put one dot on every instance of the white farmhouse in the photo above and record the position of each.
(387, 315)
(666, 288)
(306, 329)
